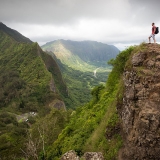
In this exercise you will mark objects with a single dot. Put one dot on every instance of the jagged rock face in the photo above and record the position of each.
(140, 112)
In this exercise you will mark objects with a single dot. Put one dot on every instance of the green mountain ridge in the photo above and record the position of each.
(84, 55)
(14, 34)
(35, 69)
(25, 61)
(31, 86)
(86, 50)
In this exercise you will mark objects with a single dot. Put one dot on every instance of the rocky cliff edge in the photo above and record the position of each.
(140, 112)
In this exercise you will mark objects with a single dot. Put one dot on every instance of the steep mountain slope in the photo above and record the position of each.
(31, 85)
(14, 34)
(23, 64)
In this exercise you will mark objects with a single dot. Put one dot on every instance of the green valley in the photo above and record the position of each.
(83, 66)
(95, 127)
(48, 107)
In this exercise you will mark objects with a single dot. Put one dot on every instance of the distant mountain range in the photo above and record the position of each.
(79, 55)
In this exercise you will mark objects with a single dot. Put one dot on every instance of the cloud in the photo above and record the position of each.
(112, 22)
(60, 11)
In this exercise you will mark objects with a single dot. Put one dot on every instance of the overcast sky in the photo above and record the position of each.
(118, 22)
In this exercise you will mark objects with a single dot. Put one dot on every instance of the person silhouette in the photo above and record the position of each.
(152, 34)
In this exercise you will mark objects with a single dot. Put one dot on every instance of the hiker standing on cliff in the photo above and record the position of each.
(153, 33)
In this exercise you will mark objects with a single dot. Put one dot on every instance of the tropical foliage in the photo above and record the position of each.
(25, 88)
(95, 126)
(30, 80)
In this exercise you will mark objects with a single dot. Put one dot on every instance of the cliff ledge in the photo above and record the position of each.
(140, 112)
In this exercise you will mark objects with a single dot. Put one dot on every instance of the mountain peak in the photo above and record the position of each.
(2, 26)
(14, 34)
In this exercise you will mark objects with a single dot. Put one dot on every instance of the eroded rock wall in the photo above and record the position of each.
(140, 112)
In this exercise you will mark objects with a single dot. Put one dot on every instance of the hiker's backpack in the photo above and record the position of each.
(157, 30)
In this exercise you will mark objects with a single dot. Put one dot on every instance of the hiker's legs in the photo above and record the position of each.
(149, 39)
(154, 38)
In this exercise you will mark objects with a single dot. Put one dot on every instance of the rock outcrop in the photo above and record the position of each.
(71, 155)
(58, 104)
(140, 112)
(93, 156)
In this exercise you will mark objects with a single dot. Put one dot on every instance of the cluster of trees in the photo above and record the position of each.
(11, 86)
(12, 136)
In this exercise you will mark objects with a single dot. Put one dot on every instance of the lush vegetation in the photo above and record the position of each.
(79, 85)
(93, 127)
(12, 136)
(25, 82)
(30, 139)
(43, 133)
(24, 79)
